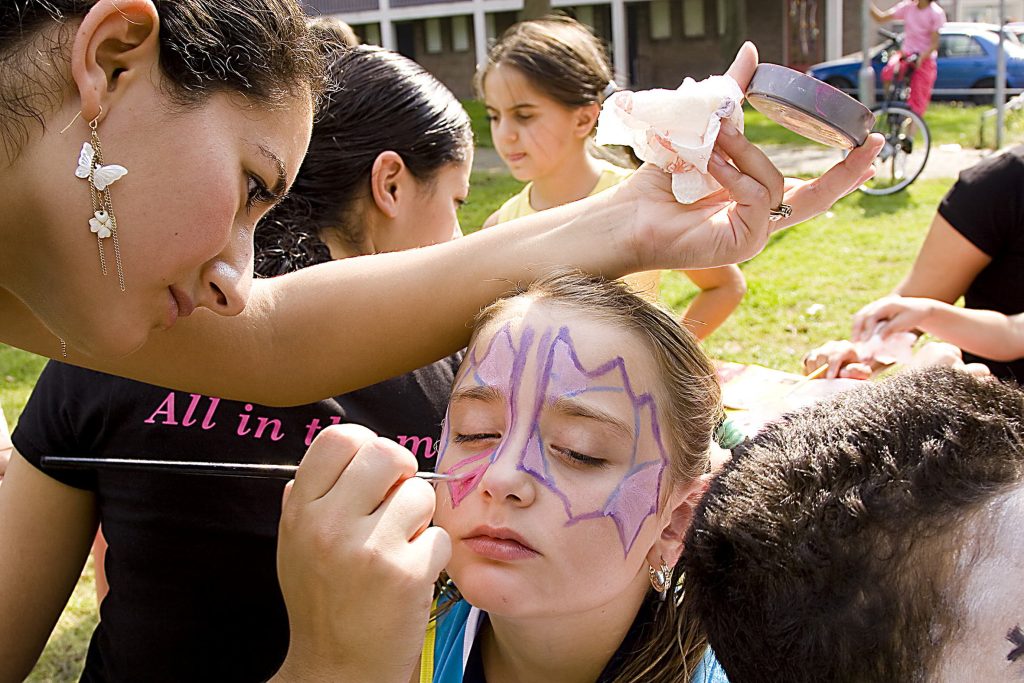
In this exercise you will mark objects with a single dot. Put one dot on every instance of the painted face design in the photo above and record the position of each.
(541, 370)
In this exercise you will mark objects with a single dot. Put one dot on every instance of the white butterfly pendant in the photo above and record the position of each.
(102, 176)
(100, 224)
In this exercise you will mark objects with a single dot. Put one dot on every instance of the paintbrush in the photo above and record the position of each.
(816, 373)
(223, 469)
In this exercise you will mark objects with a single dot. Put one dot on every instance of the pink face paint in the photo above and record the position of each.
(500, 366)
(562, 375)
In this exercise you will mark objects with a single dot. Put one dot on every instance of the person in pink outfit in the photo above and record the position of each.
(922, 20)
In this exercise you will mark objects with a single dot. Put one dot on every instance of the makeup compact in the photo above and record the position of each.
(808, 107)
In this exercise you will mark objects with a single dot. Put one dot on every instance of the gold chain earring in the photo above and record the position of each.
(101, 177)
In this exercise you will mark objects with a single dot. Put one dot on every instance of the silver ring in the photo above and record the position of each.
(780, 212)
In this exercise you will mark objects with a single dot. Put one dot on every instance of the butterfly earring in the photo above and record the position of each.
(101, 177)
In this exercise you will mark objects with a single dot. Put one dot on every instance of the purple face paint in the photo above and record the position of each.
(561, 375)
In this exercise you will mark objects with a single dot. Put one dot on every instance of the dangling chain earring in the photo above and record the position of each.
(100, 177)
(661, 578)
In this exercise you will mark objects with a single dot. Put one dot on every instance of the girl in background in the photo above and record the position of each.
(543, 86)
(581, 420)
(193, 589)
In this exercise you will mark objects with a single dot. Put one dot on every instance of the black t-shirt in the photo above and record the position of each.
(191, 561)
(986, 205)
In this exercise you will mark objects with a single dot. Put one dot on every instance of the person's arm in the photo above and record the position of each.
(984, 333)
(945, 267)
(6, 447)
(46, 529)
(881, 17)
(357, 560)
(339, 326)
(491, 221)
(721, 290)
(934, 49)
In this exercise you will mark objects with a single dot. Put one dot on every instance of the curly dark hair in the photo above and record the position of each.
(378, 101)
(261, 48)
(826, 550)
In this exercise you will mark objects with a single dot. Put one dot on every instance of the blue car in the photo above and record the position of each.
(966, 59)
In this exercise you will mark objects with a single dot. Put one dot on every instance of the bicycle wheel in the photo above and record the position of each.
(905, 152)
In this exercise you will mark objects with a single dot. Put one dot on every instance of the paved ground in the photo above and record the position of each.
(944, 161)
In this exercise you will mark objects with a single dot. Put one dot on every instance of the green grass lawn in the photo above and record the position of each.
(841, 260)
(949, 123)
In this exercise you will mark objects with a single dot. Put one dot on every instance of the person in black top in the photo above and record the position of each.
(191, 561)
(974, 249)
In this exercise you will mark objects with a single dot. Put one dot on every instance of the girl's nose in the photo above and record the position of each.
(506, 481)
(227, 279)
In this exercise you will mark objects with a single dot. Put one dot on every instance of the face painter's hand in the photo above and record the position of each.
(732, 225)
(357, 560)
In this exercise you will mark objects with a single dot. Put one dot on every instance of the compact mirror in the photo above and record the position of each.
(808, 107)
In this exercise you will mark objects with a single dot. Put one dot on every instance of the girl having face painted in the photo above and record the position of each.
(142, 141)
(581, 420)
(543, 86)
(190, 561)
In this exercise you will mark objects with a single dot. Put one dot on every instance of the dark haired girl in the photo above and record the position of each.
(191, 561)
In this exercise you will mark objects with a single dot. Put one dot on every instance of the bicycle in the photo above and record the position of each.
(907, 138)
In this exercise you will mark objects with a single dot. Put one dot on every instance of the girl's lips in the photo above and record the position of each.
(501, 549)
(499, 544)
(511, 158)
(180, 305)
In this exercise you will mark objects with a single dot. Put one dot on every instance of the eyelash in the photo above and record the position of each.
(258, 192)
(577, 458)
(1016, 638)
(470, 438)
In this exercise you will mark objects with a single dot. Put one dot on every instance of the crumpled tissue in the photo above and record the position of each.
(674, 129)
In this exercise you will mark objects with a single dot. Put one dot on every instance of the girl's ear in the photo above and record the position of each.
(116, 45)
(681, 505)
(389, 177)
(586, 119)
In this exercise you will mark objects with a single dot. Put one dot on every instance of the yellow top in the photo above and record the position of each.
(518, 205)
(645, 284)
(427, 654)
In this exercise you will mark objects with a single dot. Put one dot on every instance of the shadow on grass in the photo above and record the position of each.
(879, 206)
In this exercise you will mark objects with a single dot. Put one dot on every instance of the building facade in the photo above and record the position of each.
(652, 43)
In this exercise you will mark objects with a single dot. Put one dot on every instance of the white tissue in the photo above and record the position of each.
(674, 129)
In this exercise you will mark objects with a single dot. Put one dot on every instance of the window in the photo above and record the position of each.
(661, 20)
(693, 18)
(585, 15)
(723, 17)
(433, 31)
(371, 34)
(460, 33)
(959, 45)
(492, 28)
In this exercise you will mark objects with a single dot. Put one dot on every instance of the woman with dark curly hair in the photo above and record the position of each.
(389, 159)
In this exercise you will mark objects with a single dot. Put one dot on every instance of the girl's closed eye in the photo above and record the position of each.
(476, 438)
(577, 459)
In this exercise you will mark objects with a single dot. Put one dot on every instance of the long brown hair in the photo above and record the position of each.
(671, 646)
(560, 57)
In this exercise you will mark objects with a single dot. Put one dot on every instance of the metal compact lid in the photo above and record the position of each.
(808, 107)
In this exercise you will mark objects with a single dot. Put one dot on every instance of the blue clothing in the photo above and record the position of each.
(456, 632)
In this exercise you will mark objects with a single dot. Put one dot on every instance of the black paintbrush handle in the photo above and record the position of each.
(224, 469)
